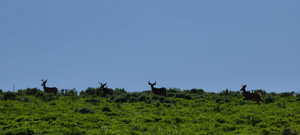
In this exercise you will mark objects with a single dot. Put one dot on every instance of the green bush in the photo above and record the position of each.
(9, 95)
(197, 91)
(71, 92)
(19, 131)
(49, 97)
(121, 98)
(84, 110)
(74, 131)
(106, 109)
(23, 99)
(289, 131)
(29, 91)
(119, 91)
(270, 99)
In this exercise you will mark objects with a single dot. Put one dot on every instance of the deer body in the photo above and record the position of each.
(254, 96)
(158, 91)
(48, 89)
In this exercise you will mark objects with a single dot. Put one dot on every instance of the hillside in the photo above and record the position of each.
(180, 112)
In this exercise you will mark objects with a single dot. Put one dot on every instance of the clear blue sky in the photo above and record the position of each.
(184, 44)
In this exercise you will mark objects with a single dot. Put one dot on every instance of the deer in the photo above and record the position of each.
(48, 89)
(158, 91)
(105, 89)
(254, 96)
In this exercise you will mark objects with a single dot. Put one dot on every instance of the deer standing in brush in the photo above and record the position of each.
(158, 91)
(105, 89)
(48, 89)
(254, 96)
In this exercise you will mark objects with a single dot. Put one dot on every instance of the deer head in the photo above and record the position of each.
(44, 82)
(152, 84)
(102, 85)
(243, 87)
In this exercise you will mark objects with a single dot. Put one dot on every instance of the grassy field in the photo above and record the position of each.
(180, 113)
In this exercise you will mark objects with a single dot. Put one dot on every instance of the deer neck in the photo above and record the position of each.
(243, 90)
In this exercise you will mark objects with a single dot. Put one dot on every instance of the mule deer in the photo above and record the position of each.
(158, 91)
(255, 96)
(105, 89)
(48, 89)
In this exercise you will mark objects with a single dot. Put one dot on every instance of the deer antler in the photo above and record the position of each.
(243, 85)
(102, 84)
(151, 83)
(44, 81)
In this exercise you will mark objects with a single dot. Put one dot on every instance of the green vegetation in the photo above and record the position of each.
(181, 112)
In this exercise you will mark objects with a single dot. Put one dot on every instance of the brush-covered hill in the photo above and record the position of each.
(181, 112)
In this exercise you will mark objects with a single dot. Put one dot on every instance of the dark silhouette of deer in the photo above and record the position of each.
(48, 89)
(158, 91)
(254, 96)
(105, 89)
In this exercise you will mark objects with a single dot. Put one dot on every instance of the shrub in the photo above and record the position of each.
(74, 131)
(9, 95)
(226, 92)
(222, 100)
(84, 110)
(71, 92)
(106, 109)
(269, 99)
(289, 131)
(90, 92)
(273, 94)
(182, 95)
(171, 92)
(281, 105)
(93, 101)
(121, 98)
(146, 98)
(24, 99)
(119, 91)
(31, 91)
(287, 94)
(20, 131)
(48, 97)
(197, 91)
